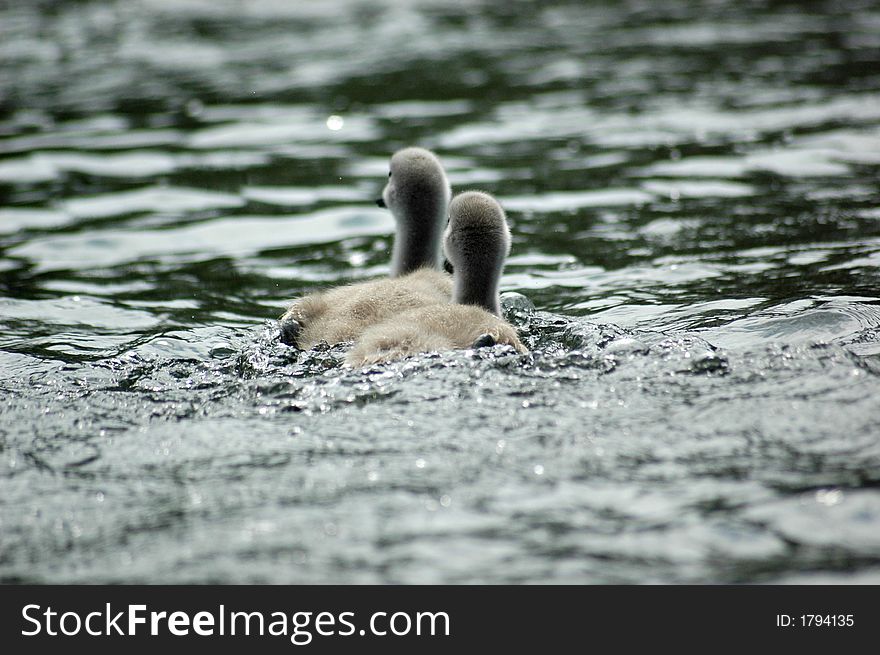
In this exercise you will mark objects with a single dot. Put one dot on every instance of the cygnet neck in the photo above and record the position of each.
(474, 285)
(477, 241)
(417, 242)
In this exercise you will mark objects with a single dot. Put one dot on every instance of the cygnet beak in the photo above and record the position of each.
(380, 202)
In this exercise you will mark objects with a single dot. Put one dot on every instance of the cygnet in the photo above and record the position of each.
(476, 242)
(417, 193)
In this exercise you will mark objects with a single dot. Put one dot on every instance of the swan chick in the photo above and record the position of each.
(418, 194)
(432, 328)
(477, 241)
(342, 314)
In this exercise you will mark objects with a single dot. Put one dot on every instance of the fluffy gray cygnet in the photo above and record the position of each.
(417, 193)
(477, 241)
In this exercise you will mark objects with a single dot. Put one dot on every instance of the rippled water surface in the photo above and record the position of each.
(693, 194)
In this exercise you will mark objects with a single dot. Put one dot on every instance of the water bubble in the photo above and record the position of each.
(221, 350)
(516, 307)
(829, 497)
(357, 259)
(335, 122)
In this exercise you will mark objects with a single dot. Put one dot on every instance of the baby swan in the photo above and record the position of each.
(477, 240)
(417, 193)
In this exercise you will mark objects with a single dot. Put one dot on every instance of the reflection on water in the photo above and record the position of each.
(693, 193)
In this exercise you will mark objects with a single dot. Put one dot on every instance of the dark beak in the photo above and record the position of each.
(380, 202)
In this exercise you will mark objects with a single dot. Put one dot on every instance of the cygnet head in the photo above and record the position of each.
(418, 196)
(476, 242)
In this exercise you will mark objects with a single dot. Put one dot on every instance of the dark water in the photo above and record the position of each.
(693, 192)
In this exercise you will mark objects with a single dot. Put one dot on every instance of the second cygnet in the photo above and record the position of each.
(477, 240)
